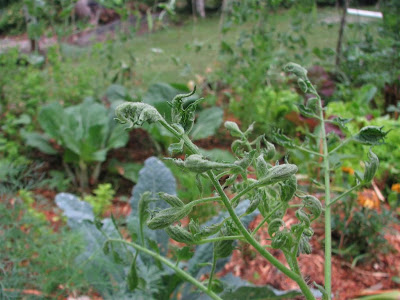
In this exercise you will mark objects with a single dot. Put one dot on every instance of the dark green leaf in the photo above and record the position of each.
(132, 278)
(371, 135)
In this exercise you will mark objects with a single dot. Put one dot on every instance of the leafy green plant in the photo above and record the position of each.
(32, 256)
(324, 147)
(250, 64)
(103, 195)
(84, 133)
(358, 235)
(106, 273)
(278, 180)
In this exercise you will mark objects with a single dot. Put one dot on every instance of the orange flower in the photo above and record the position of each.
(369, 199)
(348, 170)
(396, 187)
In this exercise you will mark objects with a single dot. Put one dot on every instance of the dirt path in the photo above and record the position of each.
(83, 38)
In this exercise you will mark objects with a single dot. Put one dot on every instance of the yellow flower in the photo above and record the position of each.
(396, 187)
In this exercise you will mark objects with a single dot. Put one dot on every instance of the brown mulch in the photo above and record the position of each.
(347, 282)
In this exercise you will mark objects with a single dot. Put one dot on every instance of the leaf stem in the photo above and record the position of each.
(214, 265)
(221, 238)
(345, 194)
(308, 151)
(266, 218)
(186, 276)
(341, 145)
(205, 200)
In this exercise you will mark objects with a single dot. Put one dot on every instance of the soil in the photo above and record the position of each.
(347, 282)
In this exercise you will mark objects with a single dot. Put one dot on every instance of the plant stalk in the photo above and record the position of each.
(243, 230)
(328, 227)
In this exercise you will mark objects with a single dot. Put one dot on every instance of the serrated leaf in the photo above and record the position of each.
(203, 253)
(341, 122)
(305, 111)
(371, 135)
(184, 253)
(282, 140)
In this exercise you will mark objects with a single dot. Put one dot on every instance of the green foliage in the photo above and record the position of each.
(145, 278)
(379, 54)
(32, 256)
(250, 64)
(207, 122)
(85, 132)
(12, 18)
(269, 179)
(358, 232)
(102, 198)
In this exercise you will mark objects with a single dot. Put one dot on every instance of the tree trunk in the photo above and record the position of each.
(200, 8)
(341, 32)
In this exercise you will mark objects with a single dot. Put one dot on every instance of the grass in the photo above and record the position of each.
(177, 53)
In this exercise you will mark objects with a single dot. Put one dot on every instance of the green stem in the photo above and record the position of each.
(220, 238)
(341, 145)
(214, 265)
(308, 151)
(328, 226)
(344, 194)
(243, 192)
(205, 200)
(281, 267)
(266, 218)
(186, 276)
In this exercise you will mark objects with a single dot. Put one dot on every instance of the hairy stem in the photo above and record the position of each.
(345, 194)
(205, 200)
(341, 145)
(328, 227)
(308, 151)
(186, 276)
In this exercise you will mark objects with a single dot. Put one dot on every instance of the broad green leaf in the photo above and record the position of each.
(207, 123)
(154, 177)
(116, 92)
(158, 96)
(51, 118)
(39, 141)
